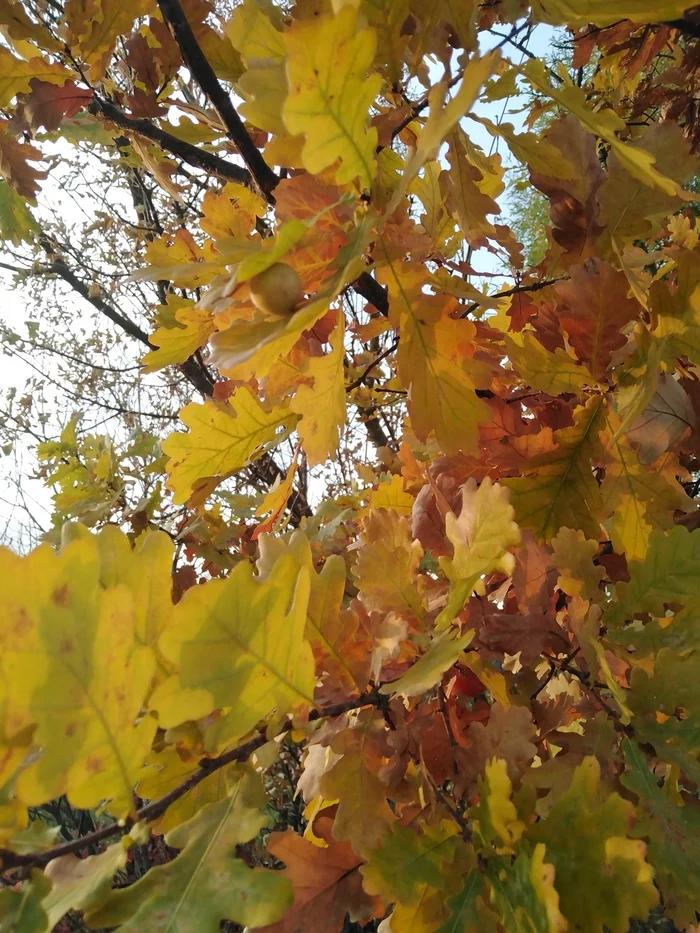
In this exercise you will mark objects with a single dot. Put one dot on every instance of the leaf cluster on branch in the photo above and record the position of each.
(416, 556)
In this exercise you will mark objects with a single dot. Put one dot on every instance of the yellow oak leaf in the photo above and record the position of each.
(497, 825)
(573, 558)
(391, 495)
(322, 406)
(167, 770)
(253, 33)
(223, 437)
(481, 537)
(639, 498)
(443, 116)
(276, 499)
(538, 154)
(387, 564)
(427, 671)
(146, 570)
(239, 644)
(231, 212)
(602, 876)
(330, 96)
(575, 13)
(92, 27)
(330, 629)
(436, 222)
(555, 373)
(177, 344)
(16, 74)
(75, 668)
(604, 123)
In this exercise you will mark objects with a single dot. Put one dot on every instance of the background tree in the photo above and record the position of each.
(370, 594)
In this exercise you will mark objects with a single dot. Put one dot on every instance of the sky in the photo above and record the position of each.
(14, 305)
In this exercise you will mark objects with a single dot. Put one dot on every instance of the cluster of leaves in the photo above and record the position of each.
(483, 641)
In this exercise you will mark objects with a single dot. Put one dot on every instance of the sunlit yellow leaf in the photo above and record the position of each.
(481, 537)
(177, 344)
(391, 495)
(601, 13)
(322, 406)
(75, 667)
(330, 95)
(239, 643)
(223, 437)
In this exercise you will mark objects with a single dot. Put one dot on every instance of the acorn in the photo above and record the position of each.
(277, 290)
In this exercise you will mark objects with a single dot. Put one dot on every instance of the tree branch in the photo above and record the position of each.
(198, 158)
(207, 766)
(198, 64)
(535, 287)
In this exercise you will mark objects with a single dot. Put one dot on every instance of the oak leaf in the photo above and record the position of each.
(322, 406)
(408, 858)
(362, 819)
(23, 911)
(177, 344)
(85, 884)
(598, 12)
(602, 876)
(574, 557)
(387, 565)
(443, 651)
(604, 123)
(596, 312)
(239, 643)
(49, 104)
(559, 487)
(507, 735)
(16, 74)
(330, 95)
(673, 832)
(14, 163)
(75, 667)
(481, 537)
(326, 883)
(206, 883)
(223, 437)
(555, 373)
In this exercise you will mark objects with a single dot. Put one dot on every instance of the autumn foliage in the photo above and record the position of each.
(477, 651)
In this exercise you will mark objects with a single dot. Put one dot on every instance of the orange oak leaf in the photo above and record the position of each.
(326, 882)
(597, 310)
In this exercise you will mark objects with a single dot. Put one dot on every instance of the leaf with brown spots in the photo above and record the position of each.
(78, 674)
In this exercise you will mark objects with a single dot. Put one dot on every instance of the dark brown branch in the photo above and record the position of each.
(192, 155)
(157, 808)
(686, 26)
(203, 73)
(372, 291)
